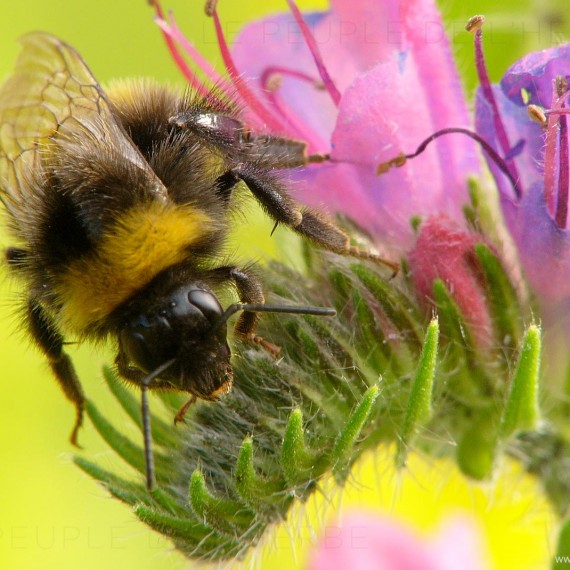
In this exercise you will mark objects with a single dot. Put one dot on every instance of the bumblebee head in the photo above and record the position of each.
(179, 327)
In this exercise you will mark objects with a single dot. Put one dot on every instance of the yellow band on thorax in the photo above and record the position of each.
(142, 242)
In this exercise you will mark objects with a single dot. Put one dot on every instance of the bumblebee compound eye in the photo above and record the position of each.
(207, 303)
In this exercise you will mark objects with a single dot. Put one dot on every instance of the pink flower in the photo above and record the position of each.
(366, 542)
(361, 81)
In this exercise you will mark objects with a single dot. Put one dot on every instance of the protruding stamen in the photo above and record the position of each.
(195, 82)
(561, 217)
(560, 85)
(401, 159)
(312, 45)
(556, 156)
(550, 162)
(209, 7)
(269, 73)
(546, 113)
(396, 162)
(475, 24)
(249, 97)
(549, 112)
(515, 150)
(272, 82)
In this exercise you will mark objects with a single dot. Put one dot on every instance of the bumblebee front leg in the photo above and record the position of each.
(306, 222)
(229, 134)
(136, 376)
(250, 291)
(50, 342)
(279, 152)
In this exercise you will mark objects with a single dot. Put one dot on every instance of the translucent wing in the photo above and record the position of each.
(53, 93)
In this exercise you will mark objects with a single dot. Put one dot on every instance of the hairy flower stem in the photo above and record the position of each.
(378, 373)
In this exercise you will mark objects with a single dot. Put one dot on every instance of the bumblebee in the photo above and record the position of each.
(118, 203)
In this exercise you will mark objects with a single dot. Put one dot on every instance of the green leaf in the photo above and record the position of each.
(127, 491)
(397, 307)
(372, 344)
(226, 515)
(468, 376)
(123, 446)
(419, 408)
(195, 537)
(257, 491)
(296, 460)
(522, 409)
(343, 450)
(501, 297)
(453, 326)
(477, 447)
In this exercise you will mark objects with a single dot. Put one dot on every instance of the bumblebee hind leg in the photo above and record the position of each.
(50, 342)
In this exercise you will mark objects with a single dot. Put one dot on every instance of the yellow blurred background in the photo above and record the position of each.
(51, 515)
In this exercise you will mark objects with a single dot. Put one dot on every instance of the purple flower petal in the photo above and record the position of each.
(367, 31)
(543, 246)
(534, 73)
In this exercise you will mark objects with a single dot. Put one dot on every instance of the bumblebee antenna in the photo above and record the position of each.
(147, 435)
(263, 308)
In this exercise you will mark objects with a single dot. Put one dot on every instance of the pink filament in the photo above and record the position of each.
(249, 97)
(550, 162)
(198, 58)
(489, 96)
(190, 76)
(312, 45)
(487, 148)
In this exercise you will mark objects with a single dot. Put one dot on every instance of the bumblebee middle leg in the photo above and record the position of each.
(50, 342)
(305, 221)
